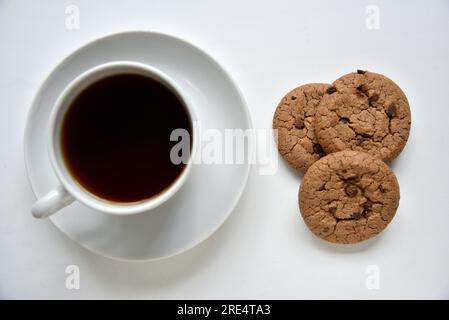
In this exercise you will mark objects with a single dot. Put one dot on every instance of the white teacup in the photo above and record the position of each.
(69, 189)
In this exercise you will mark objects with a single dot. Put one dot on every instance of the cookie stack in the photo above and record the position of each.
(342, 135)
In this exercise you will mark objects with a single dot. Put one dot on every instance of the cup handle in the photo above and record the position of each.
(53, 201)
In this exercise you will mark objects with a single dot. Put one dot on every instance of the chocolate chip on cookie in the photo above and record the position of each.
(318, 149)
(391, 110)
(360, 198)
(379, 114)
(294, 120)
(331, 90)
(351, 190)
(299, 124)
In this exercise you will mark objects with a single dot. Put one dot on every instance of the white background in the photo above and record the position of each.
(264, 250)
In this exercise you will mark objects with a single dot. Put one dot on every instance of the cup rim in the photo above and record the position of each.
(55, 122)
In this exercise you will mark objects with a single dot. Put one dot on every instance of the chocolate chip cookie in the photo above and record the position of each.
(364, 111)
(294, 120)
(348, 196)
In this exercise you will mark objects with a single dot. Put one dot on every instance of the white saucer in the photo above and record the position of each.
(211, 192)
